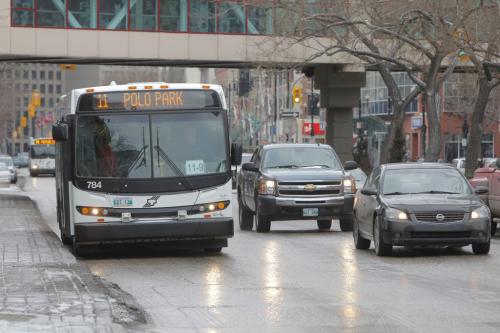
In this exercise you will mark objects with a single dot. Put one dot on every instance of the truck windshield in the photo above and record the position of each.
(301, 157)
(42, 151)
(150, 146)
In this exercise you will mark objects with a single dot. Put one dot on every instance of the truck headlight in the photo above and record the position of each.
(34, 166)
(480, 213)
(267, 186)
(349, 185)
(396, 214)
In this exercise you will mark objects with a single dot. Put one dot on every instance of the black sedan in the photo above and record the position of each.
(420, 204)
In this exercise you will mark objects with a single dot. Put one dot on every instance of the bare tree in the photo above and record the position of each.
(417, 37)
(480, 42)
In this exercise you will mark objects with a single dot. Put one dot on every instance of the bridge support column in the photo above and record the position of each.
(340, 92)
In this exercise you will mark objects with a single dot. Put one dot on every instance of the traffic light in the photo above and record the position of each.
(24, 122)
(31, 111)
(297, 95)
(36, 98)
(313, 104)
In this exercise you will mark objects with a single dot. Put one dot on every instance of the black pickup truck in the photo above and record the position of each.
(295, 182)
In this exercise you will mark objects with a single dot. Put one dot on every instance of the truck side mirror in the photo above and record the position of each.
(60, 132)
(481, 190)
(236, 153)
(250, 167)
(350, 165)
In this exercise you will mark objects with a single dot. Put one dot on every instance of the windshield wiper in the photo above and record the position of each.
(164, 156)
(438, 192)
(317, 165)
(290, 166)
(141, 153)
(397, 193)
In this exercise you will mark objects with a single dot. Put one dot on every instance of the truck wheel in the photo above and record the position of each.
(33, 174)
(481, 248)
(381, 248)
(213, 250)
(324, 224)
(493, 228)
(346, 222)
(360, 243)
(245, 217)
(262, 223)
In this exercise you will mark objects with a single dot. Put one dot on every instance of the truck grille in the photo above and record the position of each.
(439, 217)
(309, 189)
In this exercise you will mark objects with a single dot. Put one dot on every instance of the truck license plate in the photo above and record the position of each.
(310, 211)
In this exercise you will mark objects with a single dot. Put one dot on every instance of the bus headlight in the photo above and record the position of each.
(92, 211)
(212, 206)
(480, 213)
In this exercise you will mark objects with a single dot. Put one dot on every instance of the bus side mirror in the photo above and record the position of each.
(60, 132)
(236, 153)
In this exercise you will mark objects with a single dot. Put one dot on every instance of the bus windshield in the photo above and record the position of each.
(150, 145)
(42, 151)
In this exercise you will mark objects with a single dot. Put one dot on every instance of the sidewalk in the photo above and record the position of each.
(43, 288)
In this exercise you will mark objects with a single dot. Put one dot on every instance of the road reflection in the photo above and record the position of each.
(273, 297)
(350, 279)
(213, 286)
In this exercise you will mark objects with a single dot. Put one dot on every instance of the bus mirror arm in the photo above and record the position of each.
(236, 153)
(60, 131)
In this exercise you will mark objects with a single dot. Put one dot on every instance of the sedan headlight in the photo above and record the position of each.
(396, 214)
(267, 186)
(349, 185)
(480, 213)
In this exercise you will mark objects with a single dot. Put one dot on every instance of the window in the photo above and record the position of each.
(34, 86)
(113, 14)
(51, 88)
(42, 75)
(25, 101)
(33, 75)
(42, 102)
(143, 15)
(51, 102)
(173, 15)
(231, 17)
(202, 16)
(58, 75)
(51, 13)
(42, 88)
(83, 14)
(51, 75)
(25, 74)
(22, 13)
(58, 89)
(26, 87)
(260, 18)
(18, 86)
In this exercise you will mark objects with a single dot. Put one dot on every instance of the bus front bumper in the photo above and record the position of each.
(172, 230)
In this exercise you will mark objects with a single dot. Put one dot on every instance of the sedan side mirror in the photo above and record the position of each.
(60, 132)
(368, 191)
(481, 190)
(250, 167)
(350, 165)
(497, 163)
(236, 153)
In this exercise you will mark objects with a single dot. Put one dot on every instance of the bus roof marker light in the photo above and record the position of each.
(132, 88)
(164, 86)
(90, 90)
(205, 86)
(148, 87)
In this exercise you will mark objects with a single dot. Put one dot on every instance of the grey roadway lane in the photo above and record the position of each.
(298, 279)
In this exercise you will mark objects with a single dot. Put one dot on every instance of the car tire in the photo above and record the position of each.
(381, 248)
(324, 224)
(346, 222)
(493, 228)
(66, 240)
(360, 243)
(481, 248)
(33, 174)
(245, 217)
(213, 249)
(262, 223)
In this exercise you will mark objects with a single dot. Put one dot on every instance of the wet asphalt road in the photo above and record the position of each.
(297, 279)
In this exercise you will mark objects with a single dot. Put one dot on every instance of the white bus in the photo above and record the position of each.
(145, 162)
(42, 157)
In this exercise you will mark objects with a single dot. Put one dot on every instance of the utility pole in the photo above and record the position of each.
(311, 109)
(275, 134)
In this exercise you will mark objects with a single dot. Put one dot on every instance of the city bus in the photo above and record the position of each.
(145, 162)
(42, 153)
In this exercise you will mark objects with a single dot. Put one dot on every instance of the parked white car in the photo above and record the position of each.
(4, 173)
(6, 159)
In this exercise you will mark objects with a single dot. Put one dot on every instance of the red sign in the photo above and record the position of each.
(319, 128)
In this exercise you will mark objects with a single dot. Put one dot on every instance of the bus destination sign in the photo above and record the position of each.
(148, 100)
(47, 141)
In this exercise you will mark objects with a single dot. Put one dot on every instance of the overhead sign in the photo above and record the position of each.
(290, 114)
(149, 100)
(417, 122)
(319, 128)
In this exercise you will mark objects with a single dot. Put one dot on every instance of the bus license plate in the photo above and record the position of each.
(310, 211)
(123, 202)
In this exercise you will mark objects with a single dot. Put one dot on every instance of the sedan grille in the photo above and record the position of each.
(439, 217)
(309, 189)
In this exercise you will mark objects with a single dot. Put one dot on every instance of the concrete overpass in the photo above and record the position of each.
(122, 32)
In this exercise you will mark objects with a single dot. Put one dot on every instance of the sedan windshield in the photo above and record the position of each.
(7, 160)
(410, 181)
(147, 146)
(301, 157)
